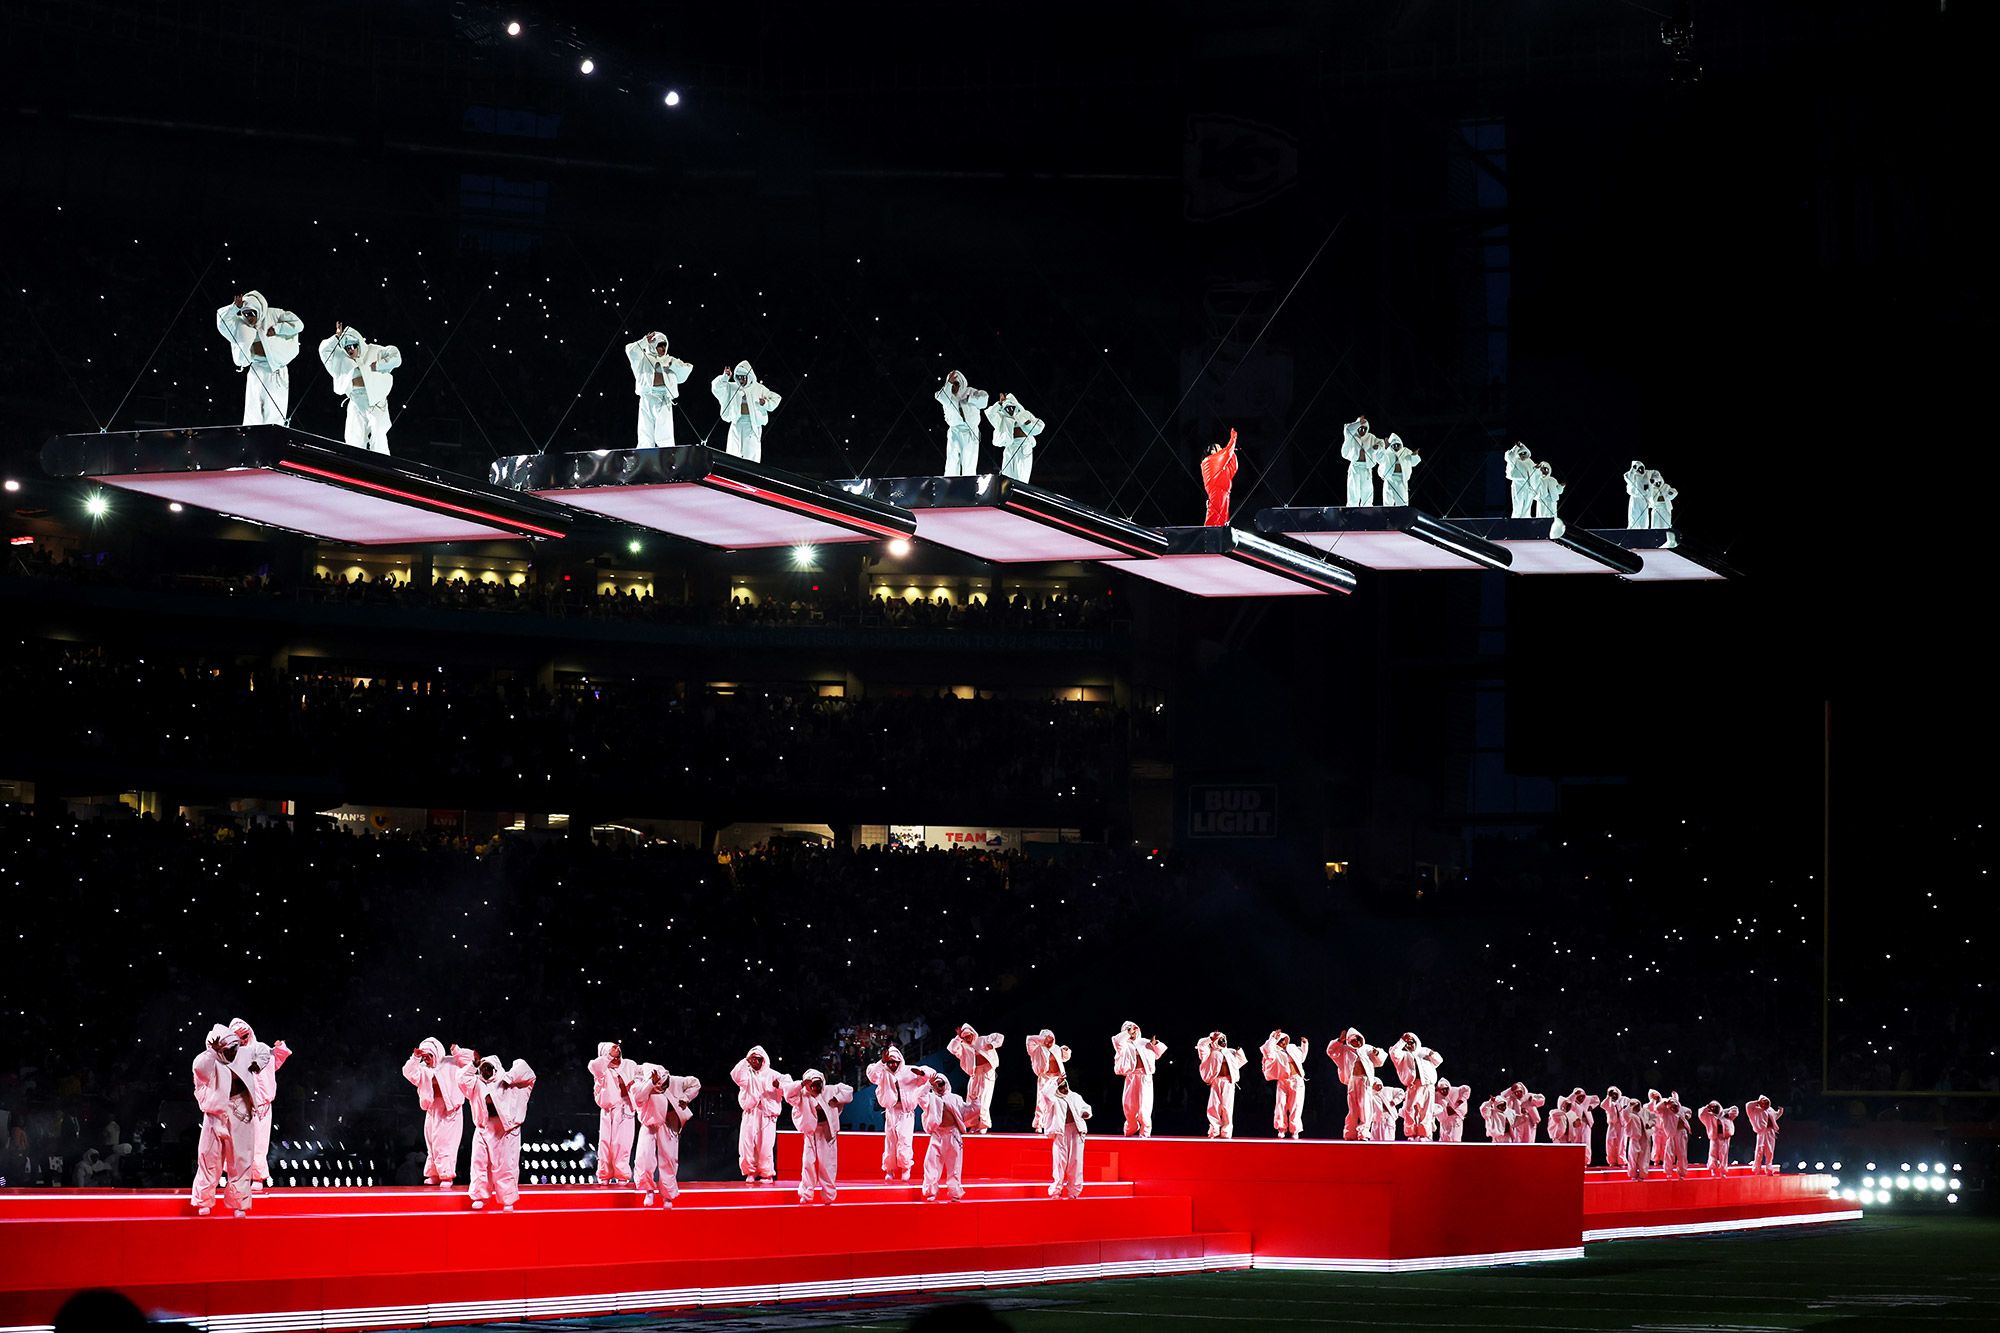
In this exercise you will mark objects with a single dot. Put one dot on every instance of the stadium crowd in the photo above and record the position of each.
(600, 739)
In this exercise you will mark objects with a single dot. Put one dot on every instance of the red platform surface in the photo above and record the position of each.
(1310, 1203)
(374, 1258)
(1616, 1207)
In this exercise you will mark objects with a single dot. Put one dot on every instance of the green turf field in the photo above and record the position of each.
(1942, 1273)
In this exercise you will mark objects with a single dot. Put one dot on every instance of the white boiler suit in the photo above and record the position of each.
(979, 1058)
(443, 1101)
(760, 1096)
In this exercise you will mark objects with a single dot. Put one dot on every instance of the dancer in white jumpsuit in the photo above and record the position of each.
(898, 1089)
(1548, 494)
(1637, 1123)
(1719, 1122)
(360, 371)
(1416, 1067)
(1659, 501)
(1068, 1128)
(1656, 1137)
(1284, 1064)
(760, 1096)
(816, 1115)
(962, 404)
(1522, 474)
(1451, 1103)
(1396, 462)
(1388, 1102)
(224, 1154)
(661, 1103)
(436, 1073)
(656, 379)
(1527, 1109)
(259, 1065)
(1015, 430)
(611, 1076)
(1222, 1070)
(1134, 1058)
(263, 340)
(498, 1095)
(1764, 1119)
(1676, 1121)
(1049, 1060)
(1583, 1111)
(743, 405)
(947, 1117)
(1498, 1117)
(979, 1058)
(1359, 445)
(1638, 484)
(1614, 1126)
(1356, 1062)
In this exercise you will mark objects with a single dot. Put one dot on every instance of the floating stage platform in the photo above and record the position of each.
(284, 478)
(704, 495)
(1006, 521)
(395, 1258)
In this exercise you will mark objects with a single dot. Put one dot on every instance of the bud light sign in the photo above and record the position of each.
(1232, 812)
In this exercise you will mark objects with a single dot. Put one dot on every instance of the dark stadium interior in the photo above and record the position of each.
(531, 795)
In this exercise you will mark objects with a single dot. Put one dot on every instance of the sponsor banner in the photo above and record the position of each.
(1217, 810)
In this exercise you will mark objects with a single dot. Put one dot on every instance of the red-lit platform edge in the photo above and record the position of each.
(1356, 1207)
(325, 1259)
(1618, 1208)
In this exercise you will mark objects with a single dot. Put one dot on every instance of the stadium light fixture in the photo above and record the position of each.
(588, 66)
(672, 98)
(513, 29)
(803, 557)
(96, 505)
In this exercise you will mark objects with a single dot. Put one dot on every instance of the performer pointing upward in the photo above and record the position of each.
(1218, 470)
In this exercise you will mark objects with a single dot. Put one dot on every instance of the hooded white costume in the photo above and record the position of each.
(611, 1087)
(1222, 1070)
(263, 341)
(1526, 1113)
(1614, 1126)
(1134, 1058)
(1284, 1063)
(961, 403)
(1387, 1102)
(360, 371)
(442, 1098)
(947, 1117)
(1764, 1117)
(1014, 432)
(259, 1064)
(1499, 1118)
(1050, 1061)
(1548, 494)
(1068, 1126)
(898, 1089)
(760, 1096)
(1451, 1103)
(1659, 501)
(1522, 474)
(1581, 1108)
(1720, 1122)
(227, 1139)
(660, 1102)
(656, 379)
(499, 1097)
(1356, 1062)
(1416, 1067)
(744, 405)
(1396, 462)
(979, 1058)
(1638, 482)
(1676, 1121)
(816, 1116)
(1359, 445)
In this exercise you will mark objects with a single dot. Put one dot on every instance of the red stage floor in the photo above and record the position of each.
(323, 1259)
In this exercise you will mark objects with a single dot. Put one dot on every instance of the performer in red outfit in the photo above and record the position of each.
(1218, 469)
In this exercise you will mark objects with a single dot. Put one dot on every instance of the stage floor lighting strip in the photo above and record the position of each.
(1709, 1228)
(617, 1302)
(1284, 1264)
